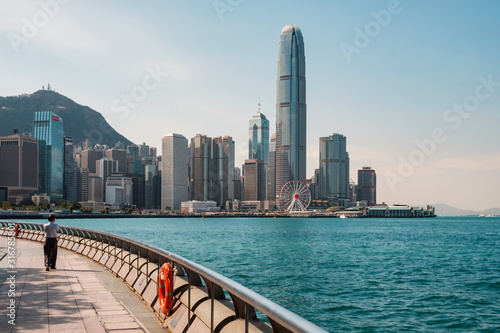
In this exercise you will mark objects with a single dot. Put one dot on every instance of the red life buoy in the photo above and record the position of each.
(166, 288)
(16, 230)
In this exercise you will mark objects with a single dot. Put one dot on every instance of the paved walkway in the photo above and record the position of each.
(79, 296)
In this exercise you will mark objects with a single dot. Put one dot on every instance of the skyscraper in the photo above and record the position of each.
(175, 157)
(69, 171)
(254, 180)
(48, 129)
(258, 143)
(334, 168)
(19, 165)
(200, 168)
(222, 175)
(119, 155)
(291, 108)
(271, 169)
(367, 186)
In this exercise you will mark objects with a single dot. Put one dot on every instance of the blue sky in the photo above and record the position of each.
(213, 67)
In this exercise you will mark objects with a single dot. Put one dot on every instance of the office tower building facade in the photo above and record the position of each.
(291, 108)
(119, 190)
(134, 165)
(69, 171)
(175, 158)
(258, 142)
(334, 168)
(89, 157)
(200, 168)
(105, 167)
(143, 150)
(254, 180)
(119, 155)
(367, 186)
(19, 165)
(48, 130)
(271, 169)
(222, 174)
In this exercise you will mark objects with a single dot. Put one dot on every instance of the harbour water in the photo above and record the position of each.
(347, 275)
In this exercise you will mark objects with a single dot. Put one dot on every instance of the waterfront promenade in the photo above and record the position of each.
(79, 296)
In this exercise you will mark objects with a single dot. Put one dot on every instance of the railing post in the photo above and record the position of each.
(246, 317)
(147, 266)
(212, 307)
(189, 300)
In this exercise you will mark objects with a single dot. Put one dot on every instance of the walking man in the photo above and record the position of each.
(50, 246)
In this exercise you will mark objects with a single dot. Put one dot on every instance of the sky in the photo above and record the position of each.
(413, 85)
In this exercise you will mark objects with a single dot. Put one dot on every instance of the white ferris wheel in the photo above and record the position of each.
(295, 196)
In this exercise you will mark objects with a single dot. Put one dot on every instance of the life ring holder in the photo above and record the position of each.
(16, 230)
(166, 288)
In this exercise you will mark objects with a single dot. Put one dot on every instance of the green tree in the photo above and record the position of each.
(62, 204)
(75, 205)
(6, 205)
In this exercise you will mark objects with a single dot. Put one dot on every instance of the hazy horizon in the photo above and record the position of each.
(414, 86)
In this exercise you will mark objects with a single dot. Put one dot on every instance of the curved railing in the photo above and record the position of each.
(201, 293)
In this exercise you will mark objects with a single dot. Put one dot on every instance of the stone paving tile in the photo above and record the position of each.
(122, 325)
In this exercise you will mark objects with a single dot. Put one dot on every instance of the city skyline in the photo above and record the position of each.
(418, 102)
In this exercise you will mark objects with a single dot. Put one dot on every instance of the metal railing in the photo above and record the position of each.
(137, 264)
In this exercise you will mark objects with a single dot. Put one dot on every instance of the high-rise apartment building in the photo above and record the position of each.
(175, 157)
(291, 108)
(367, 186)
(19, 166)
(271, 169)
(334, 168)
(254, 180)
(48, 129)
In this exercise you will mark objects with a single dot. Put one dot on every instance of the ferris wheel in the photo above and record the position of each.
(295, 196)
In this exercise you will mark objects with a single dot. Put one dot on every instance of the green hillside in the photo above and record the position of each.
(80, 122)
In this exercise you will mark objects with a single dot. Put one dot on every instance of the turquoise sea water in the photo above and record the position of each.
(347, 275)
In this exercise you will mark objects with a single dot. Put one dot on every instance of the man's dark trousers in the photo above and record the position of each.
(50, 251)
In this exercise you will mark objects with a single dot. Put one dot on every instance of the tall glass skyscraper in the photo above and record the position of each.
(258, 142)
(291, 108)
(334, 169)
(48, 129)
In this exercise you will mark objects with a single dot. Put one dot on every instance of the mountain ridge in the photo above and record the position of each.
(447, 210)
(80, 121)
